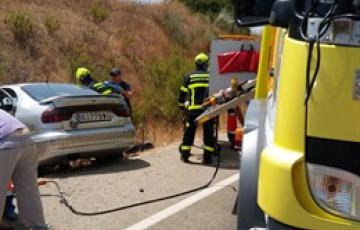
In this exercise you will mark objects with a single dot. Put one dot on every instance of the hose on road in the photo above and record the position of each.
(65, 201)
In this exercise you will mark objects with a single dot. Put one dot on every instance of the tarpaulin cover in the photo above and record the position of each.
(238, 61)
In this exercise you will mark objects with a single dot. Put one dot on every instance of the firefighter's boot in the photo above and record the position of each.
(9, 212)
(207, 159)
(185, 157)
(184, 153)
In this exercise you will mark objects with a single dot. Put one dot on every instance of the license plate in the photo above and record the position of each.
(93, 117)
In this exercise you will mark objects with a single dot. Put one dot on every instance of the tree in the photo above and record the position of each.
(209, 7)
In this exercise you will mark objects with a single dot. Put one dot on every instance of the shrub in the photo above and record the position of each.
(99, 12)
(161, 87)
(52, 24)
(4, 71)
(174, 27)
(225, 21)
(21, 26)
(209, 7)
(76, 55)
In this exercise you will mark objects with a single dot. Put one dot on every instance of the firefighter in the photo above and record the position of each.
(193, 92)
(84, 78)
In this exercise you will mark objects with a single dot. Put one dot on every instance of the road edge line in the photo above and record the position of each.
(169, 211)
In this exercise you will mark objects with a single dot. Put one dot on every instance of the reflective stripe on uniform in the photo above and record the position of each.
(203, 85)
(197, 81)
(195, 107)
(185, 90)
(192, 87)
(99, 84)
(208, 148)
(185, 148)
(199, 75)
(199, 78)
(192, 102)
(107, 92)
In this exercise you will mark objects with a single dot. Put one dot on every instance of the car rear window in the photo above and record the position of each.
(44, 91)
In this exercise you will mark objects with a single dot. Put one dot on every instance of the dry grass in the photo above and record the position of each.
(129, 36)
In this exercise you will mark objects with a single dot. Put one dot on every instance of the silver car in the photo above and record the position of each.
(66, 120)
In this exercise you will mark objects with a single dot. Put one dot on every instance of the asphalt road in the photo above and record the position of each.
(153, 174)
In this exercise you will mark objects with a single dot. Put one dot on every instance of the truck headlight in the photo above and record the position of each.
(341, 31)
(335, 190)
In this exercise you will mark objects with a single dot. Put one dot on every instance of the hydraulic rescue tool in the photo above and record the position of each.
(227, 99)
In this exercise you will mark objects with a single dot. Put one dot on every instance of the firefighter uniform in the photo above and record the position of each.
(105, 88)
(84, 78)
(192, 94)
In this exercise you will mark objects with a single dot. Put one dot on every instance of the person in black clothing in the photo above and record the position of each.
(193, 92)
(123, 87)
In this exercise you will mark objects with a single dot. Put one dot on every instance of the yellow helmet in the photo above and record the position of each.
(81, 74)
(201, 58)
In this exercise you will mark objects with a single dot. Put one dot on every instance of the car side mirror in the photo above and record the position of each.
(249, 13)
(6, 102)
(282, 13)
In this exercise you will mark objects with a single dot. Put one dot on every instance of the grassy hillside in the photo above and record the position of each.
(61, 35)
(46, 40)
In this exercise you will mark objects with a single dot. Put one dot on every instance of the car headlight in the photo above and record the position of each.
(335, 190)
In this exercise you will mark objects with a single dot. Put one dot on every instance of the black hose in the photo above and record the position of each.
(82, 213)
(323, 27)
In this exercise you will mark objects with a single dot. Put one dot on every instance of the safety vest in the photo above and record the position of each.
(194, 90)
(103, 87)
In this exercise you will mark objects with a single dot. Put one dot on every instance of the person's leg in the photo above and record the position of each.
(9, 212)
(28, 195)
(209, 142)
(189, 135)
(8, 158)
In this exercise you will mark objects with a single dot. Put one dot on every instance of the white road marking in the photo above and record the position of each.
(169, 211)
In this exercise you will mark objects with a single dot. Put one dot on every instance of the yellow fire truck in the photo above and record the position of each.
(300, 165)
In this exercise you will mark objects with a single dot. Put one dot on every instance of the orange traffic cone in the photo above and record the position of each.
(231, 126)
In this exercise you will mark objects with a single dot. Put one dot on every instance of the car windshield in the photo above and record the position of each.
(44, 91)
